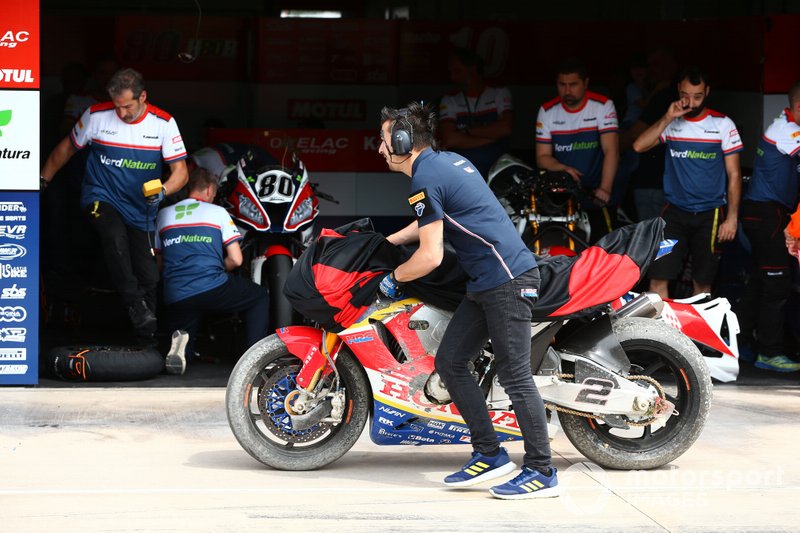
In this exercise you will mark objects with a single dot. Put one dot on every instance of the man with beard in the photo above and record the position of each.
(475, 119)
(702, 182)
(128, 139)
(577, 133)
(451, 200)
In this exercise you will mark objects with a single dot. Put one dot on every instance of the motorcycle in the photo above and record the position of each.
(274, 207)
(543, 206)
(630, 391)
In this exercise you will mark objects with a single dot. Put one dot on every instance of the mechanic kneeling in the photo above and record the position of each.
(197, 245)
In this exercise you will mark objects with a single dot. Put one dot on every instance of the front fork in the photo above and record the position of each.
(312, 402)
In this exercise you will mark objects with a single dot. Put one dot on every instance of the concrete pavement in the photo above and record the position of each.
(164, 459)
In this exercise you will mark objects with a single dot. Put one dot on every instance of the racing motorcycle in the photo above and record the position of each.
(630, 391)
(274, 207)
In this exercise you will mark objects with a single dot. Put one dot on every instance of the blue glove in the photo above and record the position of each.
(156, 198)
(390, 288)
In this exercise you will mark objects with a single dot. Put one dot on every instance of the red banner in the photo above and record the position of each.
(320, 150)
(19, 45)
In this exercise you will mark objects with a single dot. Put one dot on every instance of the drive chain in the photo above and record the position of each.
(584, 414)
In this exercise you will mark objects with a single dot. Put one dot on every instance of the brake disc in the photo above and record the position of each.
(272, 406)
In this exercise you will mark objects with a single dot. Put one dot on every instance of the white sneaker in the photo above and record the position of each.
(176, 358)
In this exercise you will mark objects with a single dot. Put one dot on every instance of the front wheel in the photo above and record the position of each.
(664, 354)
(255, 402)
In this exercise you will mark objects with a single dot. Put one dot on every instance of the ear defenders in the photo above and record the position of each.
(402, 134)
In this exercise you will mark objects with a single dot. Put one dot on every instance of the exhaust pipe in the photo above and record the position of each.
(647, 305)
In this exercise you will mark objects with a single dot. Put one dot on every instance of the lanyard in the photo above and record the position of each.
(477, 102)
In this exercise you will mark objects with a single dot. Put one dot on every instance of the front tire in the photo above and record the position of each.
(276, 270)
(663, 353)
(254, 400)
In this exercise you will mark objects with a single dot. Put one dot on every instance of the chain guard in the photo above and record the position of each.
(660, 407)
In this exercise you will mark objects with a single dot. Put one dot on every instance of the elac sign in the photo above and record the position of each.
(19, 45)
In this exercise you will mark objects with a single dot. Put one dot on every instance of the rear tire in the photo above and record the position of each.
(260, 381)
(657, 350)
(103, 363)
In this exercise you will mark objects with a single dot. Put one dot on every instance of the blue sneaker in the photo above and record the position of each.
(778, 363)
(528, 484)
(481, 468)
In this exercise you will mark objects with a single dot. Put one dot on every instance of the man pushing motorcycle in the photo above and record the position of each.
(450, 199)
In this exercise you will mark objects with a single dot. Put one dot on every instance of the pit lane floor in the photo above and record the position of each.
(164, 459)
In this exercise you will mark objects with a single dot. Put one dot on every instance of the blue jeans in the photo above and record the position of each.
(235, 295)
(502, 314)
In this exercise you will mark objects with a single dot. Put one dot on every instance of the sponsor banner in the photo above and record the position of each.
(320, 150)
(170, 47)
(19, 45)
(17, 371)
(19, 148)
(322, 110)
(19, 287)
(13, 354)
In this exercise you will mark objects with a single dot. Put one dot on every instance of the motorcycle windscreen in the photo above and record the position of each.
(572, 287)
(337, 277)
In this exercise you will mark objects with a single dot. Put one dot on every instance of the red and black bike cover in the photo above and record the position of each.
(337, 277)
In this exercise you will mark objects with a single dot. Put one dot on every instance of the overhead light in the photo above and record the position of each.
(308, 13)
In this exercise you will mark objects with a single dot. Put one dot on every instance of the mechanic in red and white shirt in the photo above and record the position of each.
(766, 205)
(474, 119)
(127, 138)
(577, 132)
(702, 182)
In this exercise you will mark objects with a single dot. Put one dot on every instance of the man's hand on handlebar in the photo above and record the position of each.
(574, 172)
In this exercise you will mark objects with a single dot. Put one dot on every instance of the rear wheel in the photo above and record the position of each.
(256, 397)
(664, 354)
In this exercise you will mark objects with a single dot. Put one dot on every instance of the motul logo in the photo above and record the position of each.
(15, 75)
(353, 110)
(11, 39)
